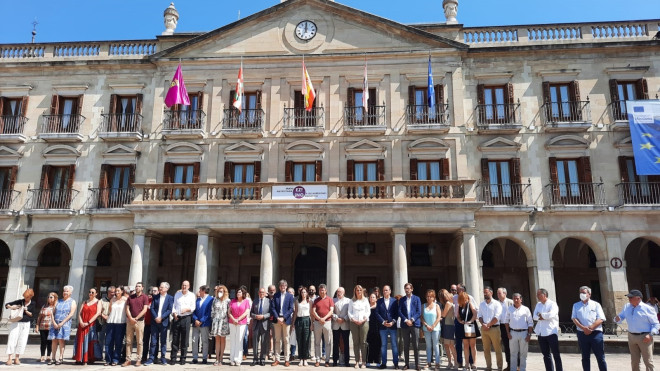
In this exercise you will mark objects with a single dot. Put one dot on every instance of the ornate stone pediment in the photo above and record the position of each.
(304, 149)
(60, 154)
(500, 144)
(429, 147)
(567, 142)
(183, 152)
(120, 154)
(9, 156)
(243, 151)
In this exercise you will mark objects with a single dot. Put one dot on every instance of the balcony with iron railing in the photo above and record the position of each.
(248, 123)
(8, 199)
(422, 118)
(300, 122)
(639, 193)
(515, 195)
(184, 124)
(121, 126)
(62, 128)
(575, 194)
(397, 191)
(45, 200)
(362, 120)
(11, 129)
(499, 118)
(109, 198)
(619, 115)
(566, 116)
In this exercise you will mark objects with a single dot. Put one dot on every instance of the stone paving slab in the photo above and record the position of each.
(29, 361)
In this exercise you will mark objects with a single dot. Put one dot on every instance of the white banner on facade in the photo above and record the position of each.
(300, 192)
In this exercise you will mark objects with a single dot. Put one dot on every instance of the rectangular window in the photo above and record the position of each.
(571, 180)
(56, 185)
(115, 185)
(500, 178)
(7, 181)
(182, 174)
(189, 117)
(429, 170)
(418, 101)
(638, 188)
(12, 106)
(419, 255)
(494, 101)
(622, 91)
(502, 181)
(304, 172)
(243, 173)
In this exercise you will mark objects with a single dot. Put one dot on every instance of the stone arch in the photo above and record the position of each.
(575, 263)
(47, 267)
(642, 264)
(594, 243)
(107, 262)
(504, 263)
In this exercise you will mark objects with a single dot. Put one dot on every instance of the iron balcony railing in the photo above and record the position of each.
(505, 194)
(364, 116)
(62, 124)
(300, 118)
(50, 198)
(555, 113)
(434, 190)
(110, 198)
(575, 193)
(619, 110)
(7, 197)
(247, 119)
(423, 114)
(11, 124)
(121, 123)
(184, 120)
(499, 115)
(639, 193)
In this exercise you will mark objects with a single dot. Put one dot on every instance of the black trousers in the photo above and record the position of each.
(336, 334)
(260, 336)
(505, 344)
(180, 333)
(46, 345)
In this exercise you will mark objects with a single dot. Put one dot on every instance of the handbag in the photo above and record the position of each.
(16, 315)
(470, 331)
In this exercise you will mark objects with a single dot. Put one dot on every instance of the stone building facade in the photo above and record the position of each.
(521, 176)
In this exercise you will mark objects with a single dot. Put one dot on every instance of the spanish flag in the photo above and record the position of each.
(307, 89)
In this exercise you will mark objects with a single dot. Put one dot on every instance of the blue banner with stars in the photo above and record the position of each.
(644, 118)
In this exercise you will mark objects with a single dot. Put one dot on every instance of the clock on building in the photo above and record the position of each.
(306, 30)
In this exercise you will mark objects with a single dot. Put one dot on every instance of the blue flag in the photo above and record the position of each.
(431, 89)
(644, 117)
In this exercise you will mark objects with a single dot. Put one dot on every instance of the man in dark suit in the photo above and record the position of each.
(387, 312)
(260, 314)
(282, 312)
(161, 308)
(410, 310)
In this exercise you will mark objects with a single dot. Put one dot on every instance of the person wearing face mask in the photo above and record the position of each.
(588, 316)
(220, 322)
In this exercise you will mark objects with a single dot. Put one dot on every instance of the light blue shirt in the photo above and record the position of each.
(588, 313)
(641, 319)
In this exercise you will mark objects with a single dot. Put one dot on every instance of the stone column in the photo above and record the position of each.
(399, 260)
(77, 267)
(334, 259)
(15, 278)
(472, 262)
(135, 272)
(615, 278)
(202, 261)
(543, 276)
(152, 243)
(214, 254)
(268, 258)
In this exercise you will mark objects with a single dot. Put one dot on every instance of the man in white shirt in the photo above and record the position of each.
(546, 314)
(340, 326)
(519, 328)
(184, 305)
(489, 314)
(506, 303)
(588, 317)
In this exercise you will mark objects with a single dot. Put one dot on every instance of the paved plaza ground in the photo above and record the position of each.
(571, 361)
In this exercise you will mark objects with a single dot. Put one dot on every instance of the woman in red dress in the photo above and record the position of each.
(86, 337)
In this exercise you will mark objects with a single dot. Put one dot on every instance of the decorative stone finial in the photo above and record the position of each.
(171, 18)
(451, 10)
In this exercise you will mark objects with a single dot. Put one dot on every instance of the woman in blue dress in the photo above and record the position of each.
(60, 331)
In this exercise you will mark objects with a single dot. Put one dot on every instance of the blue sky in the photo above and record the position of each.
(81, 20)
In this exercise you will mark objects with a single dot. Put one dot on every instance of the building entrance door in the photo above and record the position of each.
(310, 268)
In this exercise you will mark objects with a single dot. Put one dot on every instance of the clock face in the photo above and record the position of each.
(306, 30)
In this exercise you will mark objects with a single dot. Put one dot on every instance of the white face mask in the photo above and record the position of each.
(583, 296)
(220, 294)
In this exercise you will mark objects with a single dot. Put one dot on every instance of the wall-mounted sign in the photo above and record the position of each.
(616, 263)
(300, 192)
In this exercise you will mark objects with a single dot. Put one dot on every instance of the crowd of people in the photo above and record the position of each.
(283, 320)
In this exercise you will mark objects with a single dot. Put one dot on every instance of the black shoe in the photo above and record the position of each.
(254, 363)
(204, 361)
(262, 363)
(382, 367)
(194, 361)
(182, 362)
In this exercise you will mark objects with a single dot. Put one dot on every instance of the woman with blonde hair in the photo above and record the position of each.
(447, 327)
(44, 321)
(220, 323)
(467, 315)
(359, 311)
(19, 330)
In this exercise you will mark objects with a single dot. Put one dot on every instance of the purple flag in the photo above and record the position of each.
(177, 94)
